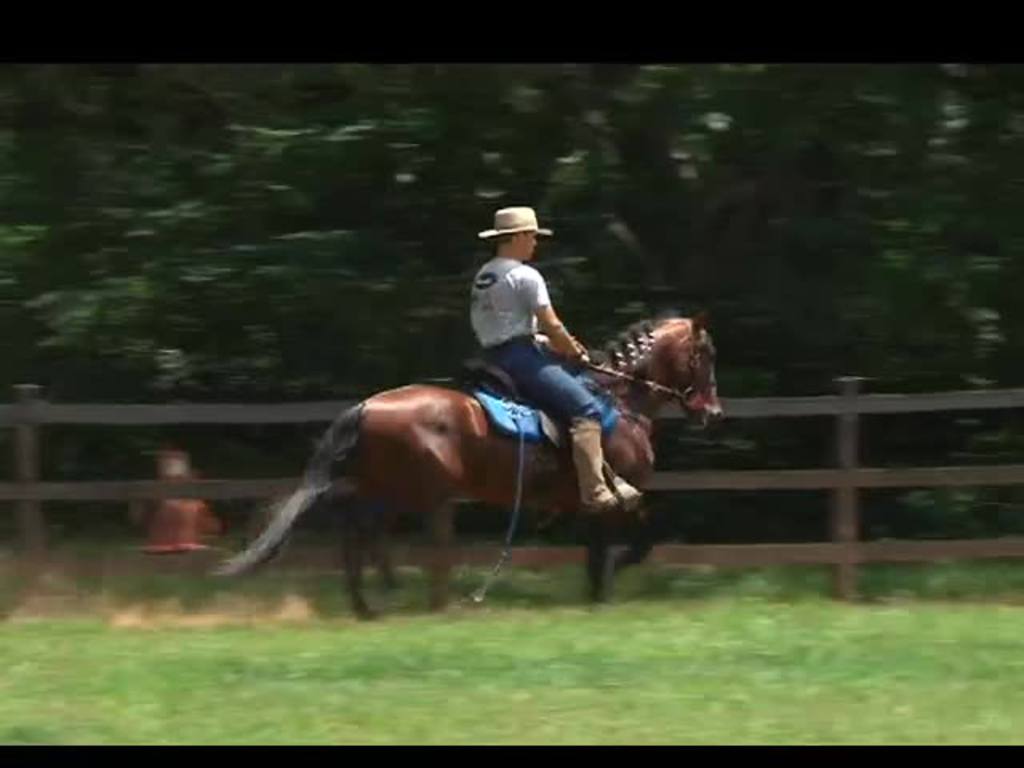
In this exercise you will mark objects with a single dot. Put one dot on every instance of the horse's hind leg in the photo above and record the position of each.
(353, 545)
(381, 546)
(442, 533)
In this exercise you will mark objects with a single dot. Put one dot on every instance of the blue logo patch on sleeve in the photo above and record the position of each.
(485, 281)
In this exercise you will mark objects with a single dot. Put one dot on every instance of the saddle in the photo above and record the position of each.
(511, 414)
(478, 372)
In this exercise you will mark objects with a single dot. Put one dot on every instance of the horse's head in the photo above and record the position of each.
(675, 352)
(684, 360)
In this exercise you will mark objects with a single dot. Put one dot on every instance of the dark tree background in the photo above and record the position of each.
(272, 233)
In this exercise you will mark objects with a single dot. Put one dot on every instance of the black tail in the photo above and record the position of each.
(336, 444)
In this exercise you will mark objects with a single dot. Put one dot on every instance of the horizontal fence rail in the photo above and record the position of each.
(42, 412)
(29, 413)
(738, 480)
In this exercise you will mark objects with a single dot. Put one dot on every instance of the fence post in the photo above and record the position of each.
(845, 518)
(26, 467)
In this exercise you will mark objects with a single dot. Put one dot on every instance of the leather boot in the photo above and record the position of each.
(588, 457)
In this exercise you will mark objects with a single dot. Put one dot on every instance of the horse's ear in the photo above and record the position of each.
(700, 321)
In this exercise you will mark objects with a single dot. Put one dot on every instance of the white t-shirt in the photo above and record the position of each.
(505, 295)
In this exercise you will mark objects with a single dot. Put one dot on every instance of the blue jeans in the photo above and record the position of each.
(541, 377)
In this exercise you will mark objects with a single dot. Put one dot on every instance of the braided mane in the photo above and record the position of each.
(630, 349)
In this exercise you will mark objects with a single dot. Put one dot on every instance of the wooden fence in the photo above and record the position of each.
(28, 413)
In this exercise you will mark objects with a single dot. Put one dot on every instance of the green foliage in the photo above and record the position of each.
(273, 232)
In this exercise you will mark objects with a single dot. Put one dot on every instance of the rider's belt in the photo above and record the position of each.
(508, 342)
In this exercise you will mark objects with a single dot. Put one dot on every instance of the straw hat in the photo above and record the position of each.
(509, 221)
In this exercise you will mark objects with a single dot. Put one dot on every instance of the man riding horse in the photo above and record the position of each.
(420, 447)
(509, 300)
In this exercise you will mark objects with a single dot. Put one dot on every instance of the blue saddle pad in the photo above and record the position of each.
(508, 416)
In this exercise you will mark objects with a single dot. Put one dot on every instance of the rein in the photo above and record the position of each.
(478, 596)
(653, 386)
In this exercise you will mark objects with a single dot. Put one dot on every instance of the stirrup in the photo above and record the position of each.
(614, 504)
(612, 480)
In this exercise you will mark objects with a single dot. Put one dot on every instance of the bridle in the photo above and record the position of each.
(682, 396)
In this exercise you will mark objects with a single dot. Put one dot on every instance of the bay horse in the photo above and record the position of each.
(419, 447)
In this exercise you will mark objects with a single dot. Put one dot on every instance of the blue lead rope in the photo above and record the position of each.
(478, 596)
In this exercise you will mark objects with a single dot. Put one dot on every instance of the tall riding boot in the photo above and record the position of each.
(588, 457)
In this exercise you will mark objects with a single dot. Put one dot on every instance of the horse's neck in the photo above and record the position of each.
(636, 397)
(646, 404)
(633, 398)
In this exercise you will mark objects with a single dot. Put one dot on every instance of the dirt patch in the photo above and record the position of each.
(167, 612)
(295, 608)
(47, 606)
(224, 611)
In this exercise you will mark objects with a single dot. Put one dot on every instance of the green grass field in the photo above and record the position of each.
(756, 657)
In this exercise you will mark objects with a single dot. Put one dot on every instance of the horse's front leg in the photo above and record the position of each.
(641, 543)
(598, 571)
